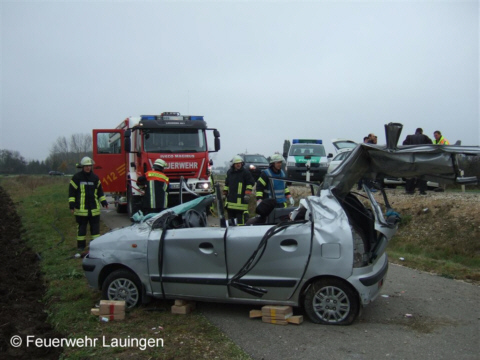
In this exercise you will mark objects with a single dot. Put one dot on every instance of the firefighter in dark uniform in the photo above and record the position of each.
(280, 188)
(85, 196)
(156, 188)
(238, 188)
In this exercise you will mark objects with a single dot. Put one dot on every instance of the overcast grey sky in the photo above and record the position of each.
(259, 71)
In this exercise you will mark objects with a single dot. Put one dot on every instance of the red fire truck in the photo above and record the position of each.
(123, 154)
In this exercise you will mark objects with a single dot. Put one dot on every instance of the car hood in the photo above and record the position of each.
(430, 162)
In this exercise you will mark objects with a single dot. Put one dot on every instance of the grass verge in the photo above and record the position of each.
(49, 229)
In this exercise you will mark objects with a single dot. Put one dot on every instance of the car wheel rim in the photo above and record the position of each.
(124, 289)
(331, 304)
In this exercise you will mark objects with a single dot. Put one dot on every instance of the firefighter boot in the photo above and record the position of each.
(81, 244)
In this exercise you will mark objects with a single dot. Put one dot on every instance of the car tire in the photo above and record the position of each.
(122, 285)
(331, 301)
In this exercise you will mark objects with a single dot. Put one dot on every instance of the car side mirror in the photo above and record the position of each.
(330, 155)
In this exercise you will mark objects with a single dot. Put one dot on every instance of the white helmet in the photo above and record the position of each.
(86, 161)
(237, 159)
(160, 164)
(276, 158)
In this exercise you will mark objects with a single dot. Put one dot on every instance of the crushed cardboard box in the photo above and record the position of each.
(277, 312)
(111, 307)
(110, 310)
(255, 313)
(183, 307)
(278, 315)
(296, 319)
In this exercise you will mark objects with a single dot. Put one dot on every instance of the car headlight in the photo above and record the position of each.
(203, 186)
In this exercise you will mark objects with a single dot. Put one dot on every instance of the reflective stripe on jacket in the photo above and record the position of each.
(85, 194)
(238, 183)
(442, 141)
(280, 188)
(156, 195)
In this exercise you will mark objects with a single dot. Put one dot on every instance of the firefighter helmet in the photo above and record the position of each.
(86, 161)
(159, 164)
(237, 159)
(276, 158)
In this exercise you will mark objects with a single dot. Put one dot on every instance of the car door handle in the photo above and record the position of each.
(289, 245)
(207, 248)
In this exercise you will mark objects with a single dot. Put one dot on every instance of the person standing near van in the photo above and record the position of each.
(155, 184)
(85, 194)
(280, 188)
(416, 139)
(238, 188)
(439, 139)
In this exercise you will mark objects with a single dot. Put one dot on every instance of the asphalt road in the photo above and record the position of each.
(417, 316)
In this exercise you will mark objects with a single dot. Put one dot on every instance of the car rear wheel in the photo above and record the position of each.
(122, 285)
(331, 301)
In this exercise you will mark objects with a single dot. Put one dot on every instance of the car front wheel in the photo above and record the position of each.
(331, 302)
(122, 285)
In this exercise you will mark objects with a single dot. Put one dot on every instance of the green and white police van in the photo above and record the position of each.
(307, 160)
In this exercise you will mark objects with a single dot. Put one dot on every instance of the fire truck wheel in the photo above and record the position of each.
(121, 209)
(133, 202)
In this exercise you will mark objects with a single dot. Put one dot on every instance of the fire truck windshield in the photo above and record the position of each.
(174, 140)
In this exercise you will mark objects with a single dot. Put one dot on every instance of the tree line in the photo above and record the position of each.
(64, 155)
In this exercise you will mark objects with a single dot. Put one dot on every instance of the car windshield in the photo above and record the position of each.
(255, 159)
(175, 140)
(307, 150)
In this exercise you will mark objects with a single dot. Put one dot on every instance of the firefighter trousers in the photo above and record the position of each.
(82, 223)
(241, 216)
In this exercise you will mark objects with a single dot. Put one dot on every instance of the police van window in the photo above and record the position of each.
(305, 149)
(109, 143)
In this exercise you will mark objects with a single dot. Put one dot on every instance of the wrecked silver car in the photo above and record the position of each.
(327, 257)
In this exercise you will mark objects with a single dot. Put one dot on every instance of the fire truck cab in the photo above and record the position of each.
(125, 153)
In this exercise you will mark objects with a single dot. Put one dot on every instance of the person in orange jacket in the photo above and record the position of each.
(439, 139)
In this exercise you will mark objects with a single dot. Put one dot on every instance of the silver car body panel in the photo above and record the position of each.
(199, 263)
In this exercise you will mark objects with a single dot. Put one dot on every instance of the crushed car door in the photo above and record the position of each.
(340, 144)
(273, 263)
(191, 262)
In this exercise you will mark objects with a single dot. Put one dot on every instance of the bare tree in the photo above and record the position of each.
(65, 154)
(81, 143)
(60, 146)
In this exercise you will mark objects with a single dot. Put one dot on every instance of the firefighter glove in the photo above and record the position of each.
(105, 204)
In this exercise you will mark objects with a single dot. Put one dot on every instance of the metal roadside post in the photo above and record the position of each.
(307, 165)
(463, 186)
